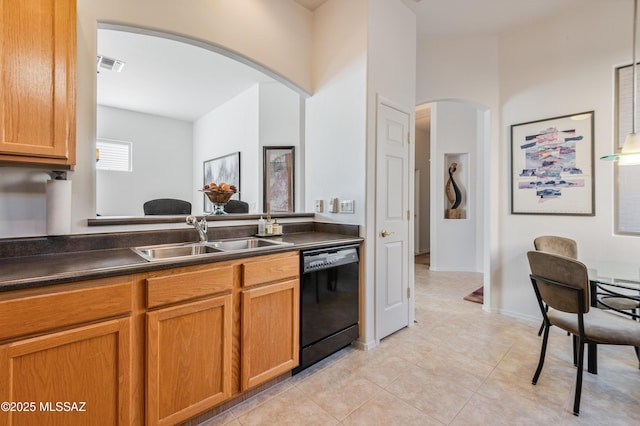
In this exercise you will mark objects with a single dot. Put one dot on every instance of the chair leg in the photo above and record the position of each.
(575, 350)
(543, 351)
(637, 348)
(541, 328)
(576, 401)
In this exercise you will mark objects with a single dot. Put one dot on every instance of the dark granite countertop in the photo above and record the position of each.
(56, 268)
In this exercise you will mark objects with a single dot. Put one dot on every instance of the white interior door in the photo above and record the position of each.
(392, 219)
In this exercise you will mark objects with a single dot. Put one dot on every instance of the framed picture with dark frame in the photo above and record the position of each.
(552, 170)
(222, 169)
(278, 179)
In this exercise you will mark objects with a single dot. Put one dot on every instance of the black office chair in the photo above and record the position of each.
(166, 206)
(236, 206)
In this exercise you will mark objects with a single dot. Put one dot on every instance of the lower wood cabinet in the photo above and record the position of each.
(65, 354)
(80, 376)
(155, 348)
(188, 359)
(270, 324)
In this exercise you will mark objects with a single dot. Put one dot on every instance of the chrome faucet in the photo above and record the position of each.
(201, 226)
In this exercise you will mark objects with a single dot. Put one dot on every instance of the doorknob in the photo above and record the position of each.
(385, 233)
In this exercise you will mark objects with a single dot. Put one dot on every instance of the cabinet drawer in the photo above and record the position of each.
(183, 284)
(270, 268)
(32, 311)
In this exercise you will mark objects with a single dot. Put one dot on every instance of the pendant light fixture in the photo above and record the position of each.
(630, 153)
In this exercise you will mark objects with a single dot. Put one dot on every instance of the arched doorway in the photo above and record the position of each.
(451, 131)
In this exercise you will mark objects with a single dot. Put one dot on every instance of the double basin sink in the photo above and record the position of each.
(190, 250)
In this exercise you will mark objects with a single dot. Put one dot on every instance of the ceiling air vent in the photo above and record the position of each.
(109, 64)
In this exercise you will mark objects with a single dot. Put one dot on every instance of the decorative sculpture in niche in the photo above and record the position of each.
(454, 195)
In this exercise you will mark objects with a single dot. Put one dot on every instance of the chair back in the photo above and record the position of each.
(557, 245)
(560, 282)
(237, 206)
(167, 206)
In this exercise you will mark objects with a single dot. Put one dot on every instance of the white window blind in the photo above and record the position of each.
(114, 155)
(627, 177)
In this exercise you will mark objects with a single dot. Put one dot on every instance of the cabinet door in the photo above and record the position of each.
(79, 376)
(37, 81)
(188, 359)
(270, 336)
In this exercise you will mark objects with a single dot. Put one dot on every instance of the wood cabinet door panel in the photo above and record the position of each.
(89, 366)
(188, 359)
(37, 80)
(189, 284)
(270, 331)
(27, 312)
(270, 269)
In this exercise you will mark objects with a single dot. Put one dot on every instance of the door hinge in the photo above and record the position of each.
(409, 137)
(408, 214)
(408, 292)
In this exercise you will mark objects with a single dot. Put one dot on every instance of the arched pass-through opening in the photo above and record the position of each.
(453, 131)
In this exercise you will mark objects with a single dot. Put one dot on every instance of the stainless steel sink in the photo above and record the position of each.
(172, 251)
(245, 244)
(186, 250)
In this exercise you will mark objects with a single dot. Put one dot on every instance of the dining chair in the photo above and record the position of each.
(561, 285)
(569, 248)
(556, 245)
(237, 206)
(166, 206)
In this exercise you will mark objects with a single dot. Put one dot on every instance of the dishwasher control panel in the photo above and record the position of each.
(323, 259)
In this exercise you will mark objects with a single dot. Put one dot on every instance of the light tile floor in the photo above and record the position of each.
(458, 365)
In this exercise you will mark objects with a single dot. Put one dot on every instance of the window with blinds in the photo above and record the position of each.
(113, 155)
(627, 177)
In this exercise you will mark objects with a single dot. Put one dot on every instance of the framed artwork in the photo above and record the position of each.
(278, 170)
(222, 169)
(552, 166)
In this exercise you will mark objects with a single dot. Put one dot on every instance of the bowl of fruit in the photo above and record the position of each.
(219, 194)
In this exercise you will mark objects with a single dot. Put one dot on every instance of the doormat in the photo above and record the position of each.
(477, 296)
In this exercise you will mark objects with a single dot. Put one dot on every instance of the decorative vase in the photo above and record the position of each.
(218, 209)
(219, 199)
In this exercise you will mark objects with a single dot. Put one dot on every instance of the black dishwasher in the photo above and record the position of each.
(329, 293)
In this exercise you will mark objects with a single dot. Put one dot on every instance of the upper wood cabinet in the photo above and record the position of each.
(38, 82)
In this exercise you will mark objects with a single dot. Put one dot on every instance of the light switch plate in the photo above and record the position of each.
(346, 206)
(333, 205)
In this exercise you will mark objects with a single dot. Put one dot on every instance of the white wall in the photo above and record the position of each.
(268, 114)
(157, 143)
(391, 74)
(565, 69)
(455, 132)
(534, 73)
(274, 34)
(335, 130)
(227, 129)
(281, 124)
